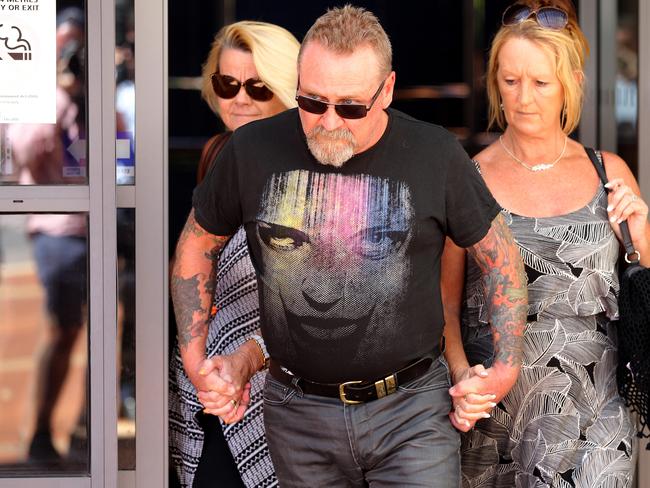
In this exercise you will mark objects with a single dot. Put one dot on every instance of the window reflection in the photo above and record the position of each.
(43, 344)
(627, 74)
(125, 92)
(46, 154)
(126, 337)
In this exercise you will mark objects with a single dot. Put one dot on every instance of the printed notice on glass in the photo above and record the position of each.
(28, 61)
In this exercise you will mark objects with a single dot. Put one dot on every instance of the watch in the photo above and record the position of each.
(265, 354)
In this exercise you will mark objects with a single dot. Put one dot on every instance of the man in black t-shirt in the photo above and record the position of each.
(346, 205)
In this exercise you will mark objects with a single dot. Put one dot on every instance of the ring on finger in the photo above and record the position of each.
(634, 197)
(234, 403)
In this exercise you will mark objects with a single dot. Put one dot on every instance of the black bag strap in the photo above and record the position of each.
(632, 255)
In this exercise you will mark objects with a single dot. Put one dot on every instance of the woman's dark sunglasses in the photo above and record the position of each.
(344, 110)
(228, 87)
(547, 17)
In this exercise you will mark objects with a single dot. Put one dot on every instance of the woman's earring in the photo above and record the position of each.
(501, 105)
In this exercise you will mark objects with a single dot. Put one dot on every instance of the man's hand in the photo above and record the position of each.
(465, 411)
(227, 382)
(478, 392)
(230, 408)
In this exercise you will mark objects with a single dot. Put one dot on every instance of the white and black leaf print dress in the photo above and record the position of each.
(563, 424)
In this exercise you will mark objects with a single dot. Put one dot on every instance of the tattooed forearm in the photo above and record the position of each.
(186, 302)
(211, 282)
(193, 281)
(505, 290)
(189, 229)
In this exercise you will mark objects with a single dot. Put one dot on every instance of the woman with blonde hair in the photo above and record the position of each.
(250, 73)
(563, 423)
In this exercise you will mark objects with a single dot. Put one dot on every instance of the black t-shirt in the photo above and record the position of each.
(347, 259)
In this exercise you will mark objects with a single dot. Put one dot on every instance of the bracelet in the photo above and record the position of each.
(259, 341)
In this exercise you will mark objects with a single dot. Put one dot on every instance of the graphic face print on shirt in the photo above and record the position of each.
(334, 262)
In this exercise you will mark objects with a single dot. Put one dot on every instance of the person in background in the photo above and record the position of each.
(59, 240)
(250, 74)
(346, 204)
(563, 424)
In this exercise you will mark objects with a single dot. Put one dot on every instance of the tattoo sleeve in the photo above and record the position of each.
(193, 280)
(506, 293)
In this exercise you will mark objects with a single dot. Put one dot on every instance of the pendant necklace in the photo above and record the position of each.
(536, 167)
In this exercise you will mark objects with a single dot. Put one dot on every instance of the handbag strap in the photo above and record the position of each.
(625, 230)
(209, 154)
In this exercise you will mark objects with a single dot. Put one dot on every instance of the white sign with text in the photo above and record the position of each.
(28, 61)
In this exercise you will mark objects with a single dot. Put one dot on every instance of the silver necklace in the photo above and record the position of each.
(536, 167)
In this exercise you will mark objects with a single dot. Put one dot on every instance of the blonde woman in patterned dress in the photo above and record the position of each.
(563, 424)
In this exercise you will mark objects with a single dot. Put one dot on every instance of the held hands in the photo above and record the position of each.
(224, 385)
(477, 391)
(468, 407)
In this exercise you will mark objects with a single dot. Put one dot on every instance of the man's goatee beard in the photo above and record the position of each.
(331, 147)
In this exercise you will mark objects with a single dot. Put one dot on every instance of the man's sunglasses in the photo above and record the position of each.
(547, 17)
(227, 87)
(344, 110)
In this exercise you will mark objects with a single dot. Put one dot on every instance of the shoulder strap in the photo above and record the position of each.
(600, 168)
(209, 153)
(625, 230)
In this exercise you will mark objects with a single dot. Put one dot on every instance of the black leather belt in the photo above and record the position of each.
(353, 392)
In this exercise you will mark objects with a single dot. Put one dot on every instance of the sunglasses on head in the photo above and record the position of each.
(227, 87)
(344, 110)
(547, 17)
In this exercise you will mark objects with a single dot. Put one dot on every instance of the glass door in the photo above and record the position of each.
(148, 197)
(83, 342)
(140, 49)
(58, 227)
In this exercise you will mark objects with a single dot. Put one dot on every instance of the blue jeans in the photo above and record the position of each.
(402, 440)
(62, 263)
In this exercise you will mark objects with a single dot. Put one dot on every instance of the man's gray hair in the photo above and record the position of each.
(344, 29)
